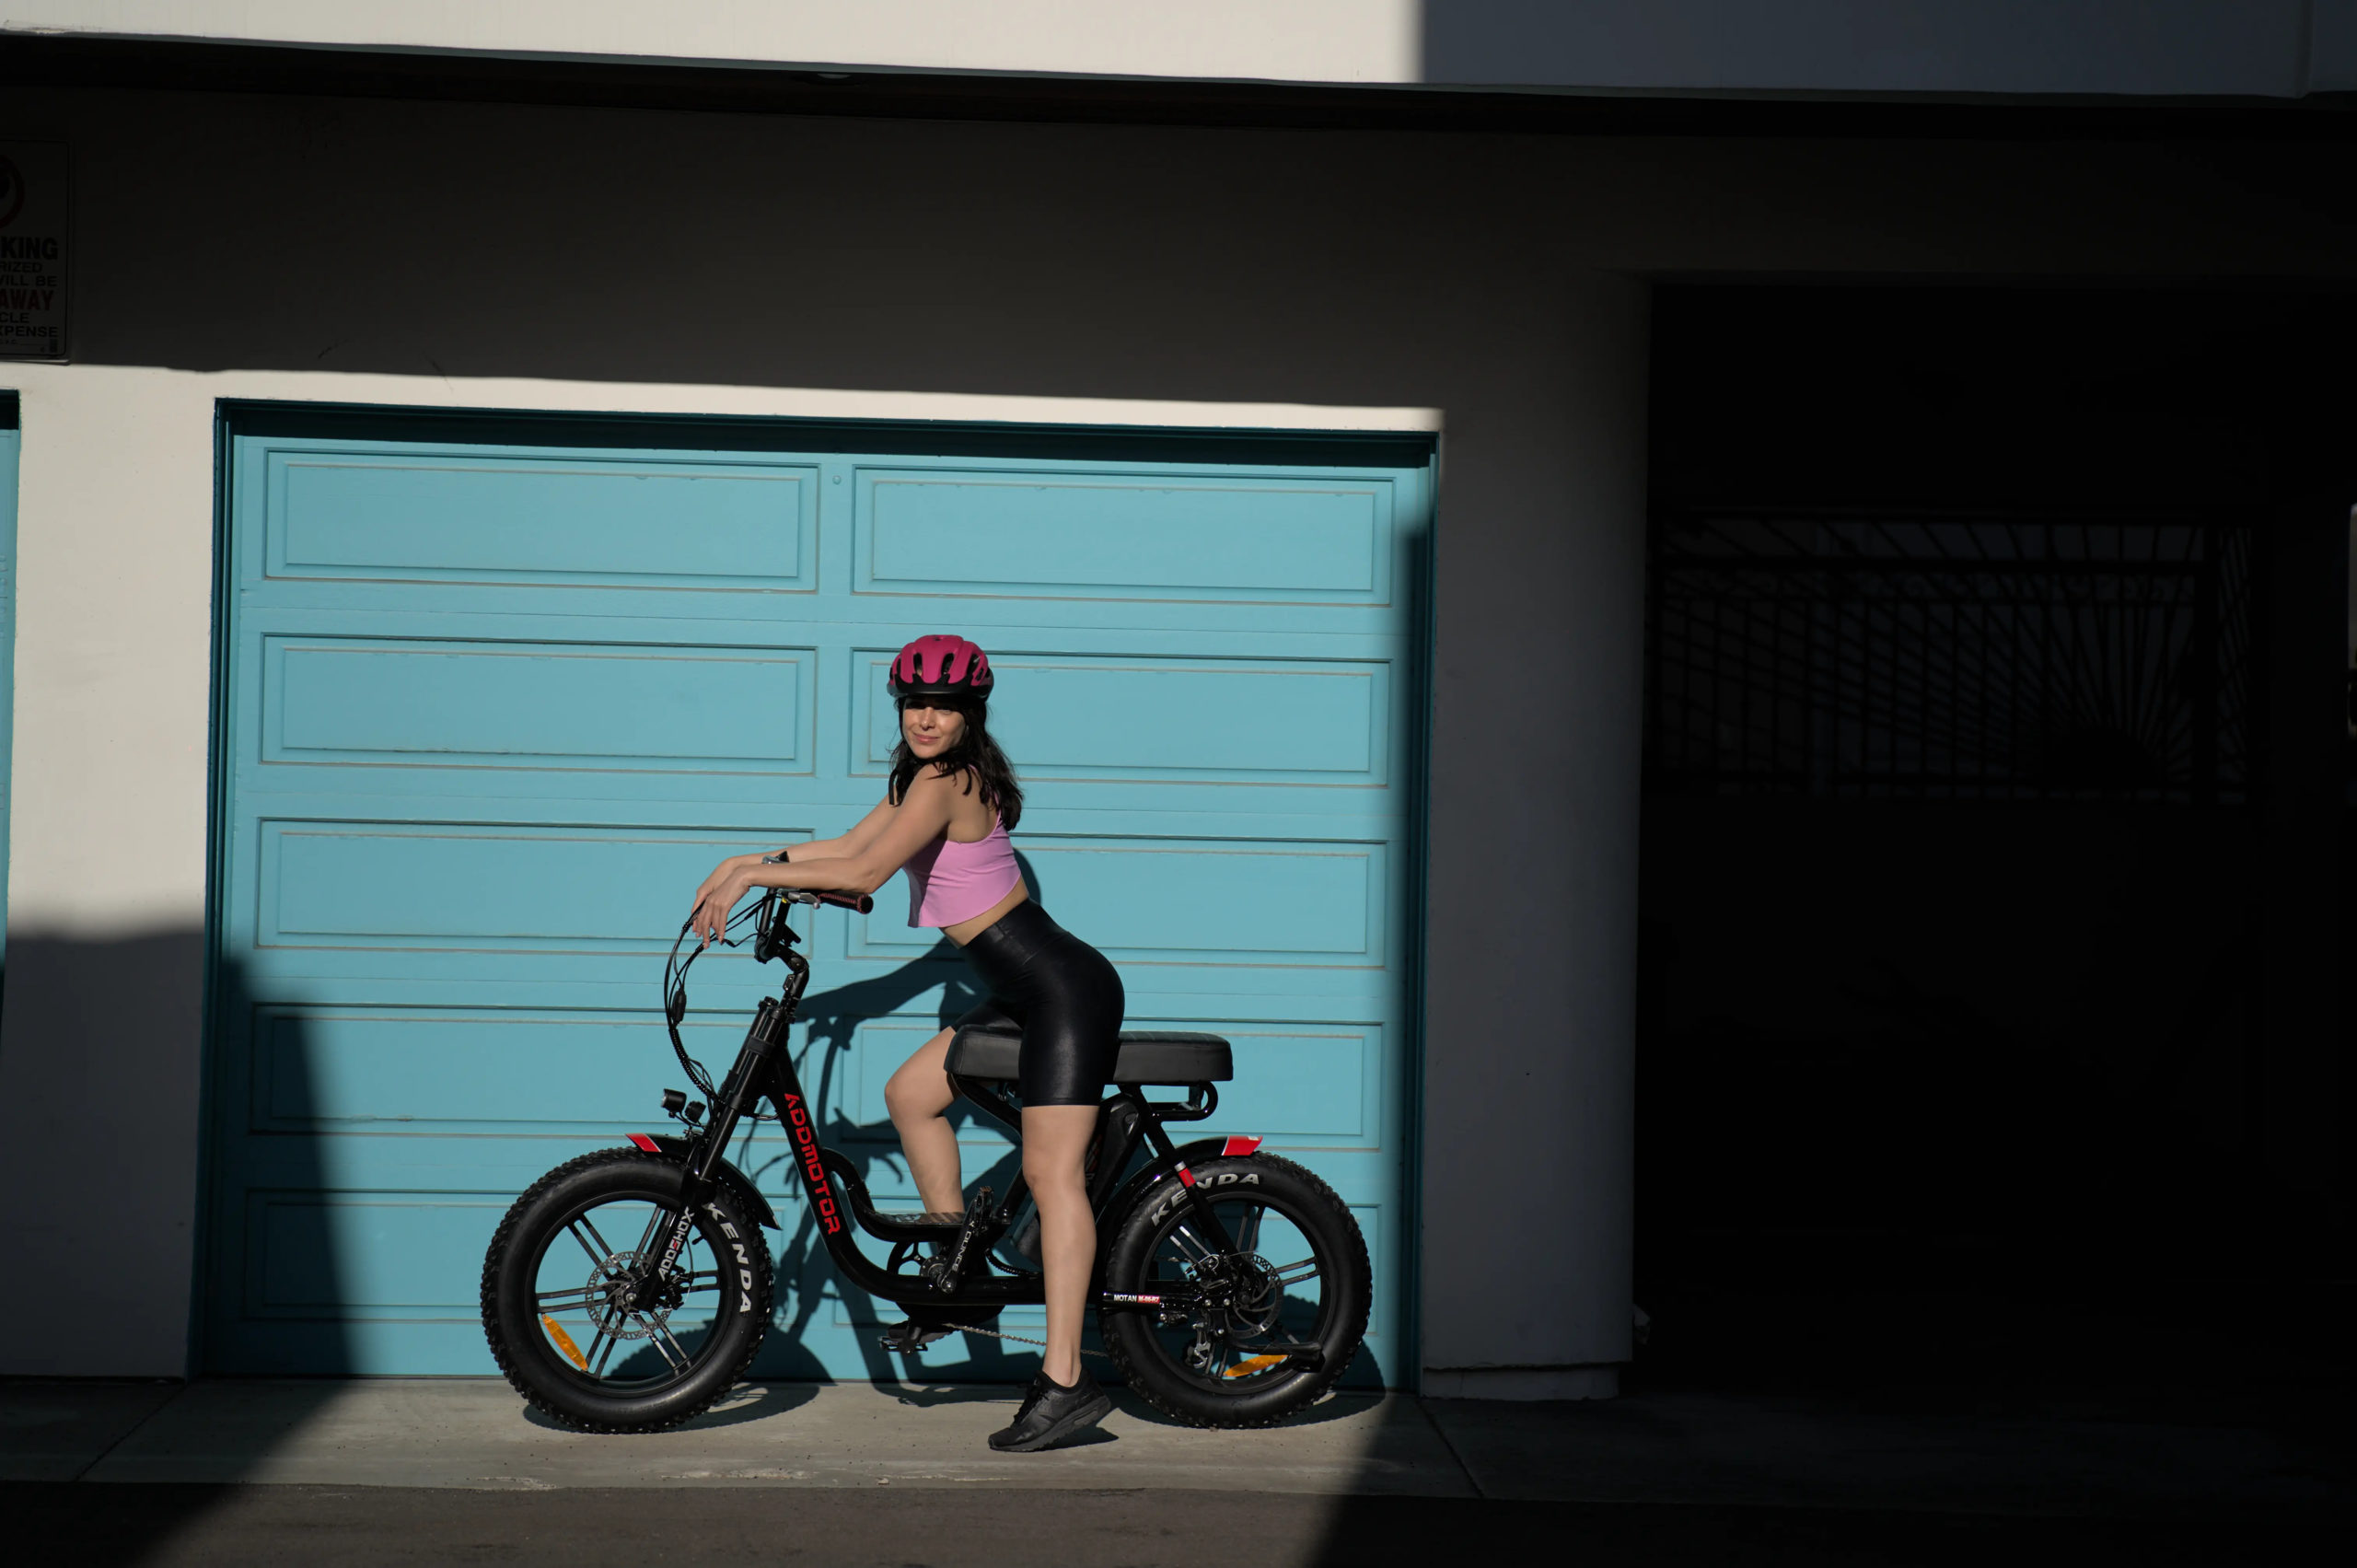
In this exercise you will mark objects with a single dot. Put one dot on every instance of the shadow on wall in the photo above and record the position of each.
(1953, 1097)
(98, 1048)
(1964, 1055)
(101, 1058)
(2001, 46)
(1037, 296)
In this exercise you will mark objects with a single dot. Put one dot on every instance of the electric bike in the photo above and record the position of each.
(629, 1289)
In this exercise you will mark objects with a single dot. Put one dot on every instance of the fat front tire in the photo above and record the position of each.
(557, 1313)
(1299, 1275)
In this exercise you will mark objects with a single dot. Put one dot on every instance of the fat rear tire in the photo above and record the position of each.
(1142, 1349)
(511, 1310)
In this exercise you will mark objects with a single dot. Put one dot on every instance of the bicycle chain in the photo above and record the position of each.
(997, 1334)
(1019, 1339)
(1022, 1340)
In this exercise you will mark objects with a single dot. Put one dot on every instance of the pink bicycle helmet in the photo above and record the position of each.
(941, 665)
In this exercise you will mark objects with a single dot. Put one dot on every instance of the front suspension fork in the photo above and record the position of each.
(740, 1093)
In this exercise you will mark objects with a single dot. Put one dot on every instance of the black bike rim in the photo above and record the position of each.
(1177, 1255)
(655, 1338)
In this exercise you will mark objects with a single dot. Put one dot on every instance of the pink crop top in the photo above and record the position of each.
(949, 881)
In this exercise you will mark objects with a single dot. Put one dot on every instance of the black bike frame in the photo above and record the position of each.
(764, 1069)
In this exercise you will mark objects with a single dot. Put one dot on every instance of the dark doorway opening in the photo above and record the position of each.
(1996, 844)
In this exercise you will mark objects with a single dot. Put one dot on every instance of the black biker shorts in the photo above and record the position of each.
(1063, 994)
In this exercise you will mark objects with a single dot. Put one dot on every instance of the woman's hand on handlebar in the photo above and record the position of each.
(740, 874)
(721, 873)
(727, 883)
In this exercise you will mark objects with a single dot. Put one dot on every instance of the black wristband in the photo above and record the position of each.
(780, 858)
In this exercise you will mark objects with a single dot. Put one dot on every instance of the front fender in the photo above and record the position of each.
(733, 1180)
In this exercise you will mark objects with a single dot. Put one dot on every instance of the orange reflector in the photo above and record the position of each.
(564, 1342)
(1257, 1363)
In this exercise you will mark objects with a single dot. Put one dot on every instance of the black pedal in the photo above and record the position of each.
(912, 1337)
(947, 1273)
(928, 1325)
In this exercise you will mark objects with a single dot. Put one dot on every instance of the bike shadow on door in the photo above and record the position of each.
(832, 1020)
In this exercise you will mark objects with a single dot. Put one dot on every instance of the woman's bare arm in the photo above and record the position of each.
(862, 834)
(897, 832)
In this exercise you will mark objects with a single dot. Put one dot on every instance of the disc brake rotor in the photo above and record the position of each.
(608, 1292)
(1258, 1297)
(1247, 1295)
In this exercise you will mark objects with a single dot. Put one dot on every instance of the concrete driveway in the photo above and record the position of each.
(420, 1470)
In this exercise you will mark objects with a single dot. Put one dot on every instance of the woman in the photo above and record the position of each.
(945, 818)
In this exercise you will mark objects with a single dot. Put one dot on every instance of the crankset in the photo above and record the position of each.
(947, 1272)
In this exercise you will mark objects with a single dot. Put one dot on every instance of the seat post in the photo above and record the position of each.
(1120, 1123)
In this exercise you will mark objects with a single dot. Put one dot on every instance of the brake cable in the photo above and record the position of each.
(674, 987)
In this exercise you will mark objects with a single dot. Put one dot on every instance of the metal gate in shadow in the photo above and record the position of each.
(1950, 656)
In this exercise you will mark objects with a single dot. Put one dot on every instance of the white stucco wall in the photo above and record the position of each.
(2263, 47)
(1345, 40)
(496, 256)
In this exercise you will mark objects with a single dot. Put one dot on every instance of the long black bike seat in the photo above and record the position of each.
(1147, 1056)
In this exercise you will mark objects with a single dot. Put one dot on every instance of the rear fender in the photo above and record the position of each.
(730, 1177)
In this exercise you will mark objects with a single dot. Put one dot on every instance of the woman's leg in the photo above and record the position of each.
(1055, 1152)
(919, 1095)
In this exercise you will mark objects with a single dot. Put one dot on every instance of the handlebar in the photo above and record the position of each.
(861, 904)
(772, 938)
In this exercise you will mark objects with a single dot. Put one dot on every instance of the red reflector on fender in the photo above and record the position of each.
(644, 1141)
(1239, 1146)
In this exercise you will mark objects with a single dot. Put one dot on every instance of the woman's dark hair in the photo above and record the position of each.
(976, 755)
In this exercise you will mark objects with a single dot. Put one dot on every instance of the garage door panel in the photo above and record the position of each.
(389, 975)
(367, 1253)
(1178, 900)
(451, 518)
(550, 796)
(536, 704)
(472, 1072)
(1304, 1085)
(492, 712)
(1159, 717)
(1054, 810)
(438, 885)
(1154, 536)
(1095, 628)
(429, 1167)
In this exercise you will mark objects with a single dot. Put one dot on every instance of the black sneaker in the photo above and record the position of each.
(1051, 1414)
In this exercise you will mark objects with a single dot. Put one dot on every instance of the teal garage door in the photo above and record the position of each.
(491, 705)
